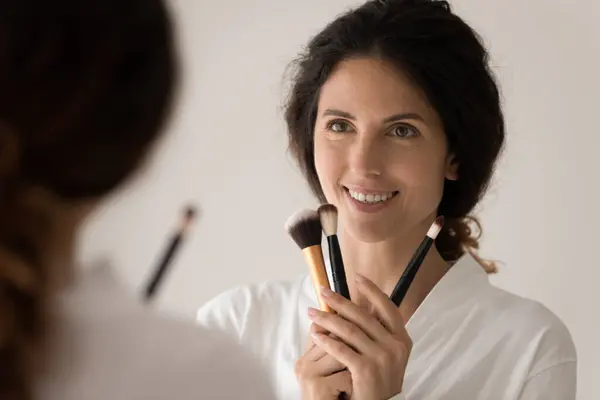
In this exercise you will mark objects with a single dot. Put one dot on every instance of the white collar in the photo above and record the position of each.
(461, 283)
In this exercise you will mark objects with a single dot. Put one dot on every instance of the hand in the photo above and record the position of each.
(321, 376)
(374, 347)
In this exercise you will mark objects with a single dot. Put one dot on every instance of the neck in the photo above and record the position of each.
(61, 248)
(384, 262)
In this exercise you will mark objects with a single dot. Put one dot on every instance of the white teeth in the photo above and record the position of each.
(370, 198)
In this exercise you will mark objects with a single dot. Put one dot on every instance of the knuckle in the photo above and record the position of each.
(353, 331)
(337, 346)
(401, 353)
(299, 368)
(406, 343)
(403, 338)
(400, 348)
(314, 328)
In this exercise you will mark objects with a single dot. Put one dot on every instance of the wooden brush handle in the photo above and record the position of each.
(313, 256)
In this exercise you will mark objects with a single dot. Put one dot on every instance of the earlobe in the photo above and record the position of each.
(452, 168)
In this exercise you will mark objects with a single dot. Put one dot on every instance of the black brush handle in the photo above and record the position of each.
(162, 268)
(410, 272)
(338, 272)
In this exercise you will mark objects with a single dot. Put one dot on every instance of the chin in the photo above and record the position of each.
(371, 232)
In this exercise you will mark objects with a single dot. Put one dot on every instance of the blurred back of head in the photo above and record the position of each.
(85, 87)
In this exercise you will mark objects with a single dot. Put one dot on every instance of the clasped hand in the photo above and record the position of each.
(353, 351)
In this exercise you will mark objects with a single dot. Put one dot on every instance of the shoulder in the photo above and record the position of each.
(534, 326)
(190, 361)
(531, 315)
(525, 327)
(109, 345)
(235, 309)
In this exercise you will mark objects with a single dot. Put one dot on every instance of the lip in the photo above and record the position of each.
(367, 208)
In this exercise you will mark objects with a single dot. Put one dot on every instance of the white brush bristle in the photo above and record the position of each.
(436, 227)
(329, 219)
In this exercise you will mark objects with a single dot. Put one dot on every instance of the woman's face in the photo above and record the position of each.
(380, 150)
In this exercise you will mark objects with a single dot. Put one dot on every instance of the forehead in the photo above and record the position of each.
(364, 86)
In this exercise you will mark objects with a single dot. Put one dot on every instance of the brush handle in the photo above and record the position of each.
(410, 272)
(162, 268)
(313, 255)
(338, 272)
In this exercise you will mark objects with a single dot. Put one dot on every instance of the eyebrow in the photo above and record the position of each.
(393, 118)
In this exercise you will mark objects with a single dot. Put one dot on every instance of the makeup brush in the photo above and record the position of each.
(413, 266)
(187, 219)
(329, 220)
(305, 229)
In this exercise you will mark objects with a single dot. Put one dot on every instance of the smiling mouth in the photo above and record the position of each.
(371, 198)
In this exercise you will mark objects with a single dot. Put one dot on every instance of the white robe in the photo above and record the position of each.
(107, 345)
(471, 340)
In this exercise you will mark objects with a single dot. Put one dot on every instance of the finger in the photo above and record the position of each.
(314, 352)
(327, 365)
(383, 308)
(319, 329)
(338, 350)
(355, 314)
(314, 328)
(346, 330)
(324, 365)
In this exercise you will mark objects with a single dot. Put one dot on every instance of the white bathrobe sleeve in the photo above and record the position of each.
(558, 382)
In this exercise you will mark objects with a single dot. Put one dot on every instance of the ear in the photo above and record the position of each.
(451, 167)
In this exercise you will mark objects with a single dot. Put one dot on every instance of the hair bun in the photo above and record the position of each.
(458, 237)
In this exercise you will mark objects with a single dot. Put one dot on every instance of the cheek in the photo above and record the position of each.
(422, 176)
(328, 164)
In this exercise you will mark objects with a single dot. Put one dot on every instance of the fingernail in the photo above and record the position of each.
(312, 312)
(325, 291)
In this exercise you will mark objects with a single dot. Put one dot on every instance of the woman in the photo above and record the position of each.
(395, 118)
(85, 89)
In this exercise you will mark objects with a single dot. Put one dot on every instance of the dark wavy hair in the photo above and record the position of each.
(85, 87)
(447, 60)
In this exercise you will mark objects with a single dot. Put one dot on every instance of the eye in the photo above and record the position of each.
(405, 131)
(338, 126)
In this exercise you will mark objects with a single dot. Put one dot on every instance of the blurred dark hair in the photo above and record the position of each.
(85, 87)
(448, 61)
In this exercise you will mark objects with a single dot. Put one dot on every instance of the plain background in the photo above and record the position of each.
(226, 151)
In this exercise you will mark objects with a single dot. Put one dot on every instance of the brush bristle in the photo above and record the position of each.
(436, 227)
(190, 212)
(329, 219)
(305, 228)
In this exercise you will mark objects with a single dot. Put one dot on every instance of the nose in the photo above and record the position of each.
(367, 156)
